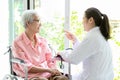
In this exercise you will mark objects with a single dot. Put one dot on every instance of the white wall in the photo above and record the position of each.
(4, 65)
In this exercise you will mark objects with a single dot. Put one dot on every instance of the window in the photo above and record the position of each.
(52, 15)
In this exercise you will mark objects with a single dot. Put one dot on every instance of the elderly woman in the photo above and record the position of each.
(34, 50)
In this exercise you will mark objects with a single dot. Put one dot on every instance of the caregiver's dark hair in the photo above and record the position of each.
(101, 20)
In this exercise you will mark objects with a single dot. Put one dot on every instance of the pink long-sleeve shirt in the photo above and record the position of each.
(39, 56)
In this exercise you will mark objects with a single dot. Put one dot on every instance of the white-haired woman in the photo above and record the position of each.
(34, 50)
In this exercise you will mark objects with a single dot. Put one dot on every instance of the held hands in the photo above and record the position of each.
(55, 72)
(70, 36)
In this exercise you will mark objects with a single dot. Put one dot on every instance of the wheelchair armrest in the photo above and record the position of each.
(21, 62)
(18, 61)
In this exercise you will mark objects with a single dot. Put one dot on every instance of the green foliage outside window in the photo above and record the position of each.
(53, 32)
(114, 34)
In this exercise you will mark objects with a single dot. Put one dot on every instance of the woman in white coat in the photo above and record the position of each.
(94, 51)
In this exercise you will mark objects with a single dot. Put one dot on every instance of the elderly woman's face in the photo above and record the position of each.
(35, 25)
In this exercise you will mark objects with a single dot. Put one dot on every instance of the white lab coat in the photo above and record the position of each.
(95, 53)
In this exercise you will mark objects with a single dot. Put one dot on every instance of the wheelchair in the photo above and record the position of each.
(12, 60)
(12, 75)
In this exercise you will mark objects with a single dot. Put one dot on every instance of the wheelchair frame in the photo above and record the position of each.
(12, 75)
(12, 60)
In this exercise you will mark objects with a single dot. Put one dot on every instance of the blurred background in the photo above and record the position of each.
(56, 15)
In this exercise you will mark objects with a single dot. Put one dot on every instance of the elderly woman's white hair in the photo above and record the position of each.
(28, 16)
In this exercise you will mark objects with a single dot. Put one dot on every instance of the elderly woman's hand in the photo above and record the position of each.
(55, 72)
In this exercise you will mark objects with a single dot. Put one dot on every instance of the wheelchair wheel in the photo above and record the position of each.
(14, 78)
(9, 77)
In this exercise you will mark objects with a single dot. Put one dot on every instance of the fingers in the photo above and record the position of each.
(66, 31)
(55, 72)
(70, 36)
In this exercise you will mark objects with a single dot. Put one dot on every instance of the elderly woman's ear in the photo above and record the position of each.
(27, 23)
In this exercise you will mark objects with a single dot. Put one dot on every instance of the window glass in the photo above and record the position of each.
(52, 17)
(18, 9)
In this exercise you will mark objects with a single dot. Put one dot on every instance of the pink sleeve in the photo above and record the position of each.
(50, 61)
(19, 53)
